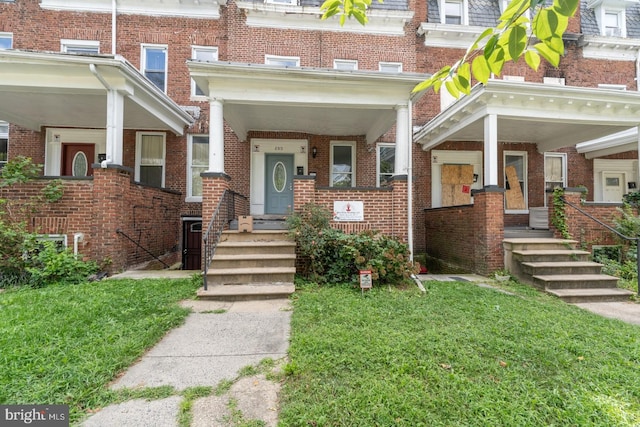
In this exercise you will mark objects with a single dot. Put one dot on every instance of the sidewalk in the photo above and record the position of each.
(216, 341)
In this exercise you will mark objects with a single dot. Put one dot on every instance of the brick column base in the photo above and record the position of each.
(488, 207)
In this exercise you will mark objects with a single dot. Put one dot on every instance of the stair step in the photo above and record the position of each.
(591, 295)
(546, 255)
(575, 281)
(255, 248)
(237, 276)
(246, 292)
(252, 261)
(538, 243)
(565, 267)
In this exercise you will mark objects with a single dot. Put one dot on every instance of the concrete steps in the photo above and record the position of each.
(558, 268)
(255, 265)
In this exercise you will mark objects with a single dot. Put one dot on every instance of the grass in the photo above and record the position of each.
(460, 355)
(64, 344)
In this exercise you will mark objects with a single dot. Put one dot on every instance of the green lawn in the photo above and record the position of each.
(461, 355)
(64, 344)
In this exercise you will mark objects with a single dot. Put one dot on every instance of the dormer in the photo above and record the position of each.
(454, 12)
(611, 16)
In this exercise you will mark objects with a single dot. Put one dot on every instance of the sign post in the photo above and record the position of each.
(365, 280)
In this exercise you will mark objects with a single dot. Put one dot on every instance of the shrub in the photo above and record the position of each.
(50, 265)
(336, 257)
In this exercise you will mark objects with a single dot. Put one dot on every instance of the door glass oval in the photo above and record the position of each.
(80, 164)
(279, 177)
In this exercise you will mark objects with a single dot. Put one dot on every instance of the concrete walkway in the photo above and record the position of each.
(215, 343)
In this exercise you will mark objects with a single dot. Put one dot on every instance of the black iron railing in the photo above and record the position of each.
(223, 215)
(613, 230)
(119, 231)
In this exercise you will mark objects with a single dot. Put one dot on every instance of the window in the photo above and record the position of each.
(390, 67)
(515, 178)
(612, 24)
(150, 158)
(202, 53)
(453, 12)
(4, 143)
(612, 86)
(154, 65)
(290, 2)
(555, 171)
(345, 64)
(81, 47)
(198, 158)
(386, 159)
(282, 61)
(343, 164)
(6, 40)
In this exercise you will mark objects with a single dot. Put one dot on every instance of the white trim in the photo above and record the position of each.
(143, 61)
(352, 145)
(282, 16)
(195, 49)
(65, 44)
(345, 64)
(139, 136)
(396, 65)
(525, 190)
(441, 157)
(280, 61)
(611, 86)
(449, 36)
(190, 197)
(55, 137)
(627, 167)
(464, 11)
(204, 9)
(9, 36)
(563, 157)
(53, 238)
(378, 147)
(612, 48)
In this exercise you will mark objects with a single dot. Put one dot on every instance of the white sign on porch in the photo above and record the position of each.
(348, 211)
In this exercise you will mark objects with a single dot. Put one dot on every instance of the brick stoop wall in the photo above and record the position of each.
(469, 236)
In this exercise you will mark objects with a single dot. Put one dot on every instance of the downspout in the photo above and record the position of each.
(110, 126)
(113, 26)
(410, 197)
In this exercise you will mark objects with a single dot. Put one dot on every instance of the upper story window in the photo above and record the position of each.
(150, 158)
(154, 65)
(202, 53)
(611, 86)
(611, 16)
(288, 2)
(454, 12)
(390, 67)
(4, 143)
(81, 47)
(613, 24)
(6, 40)
(282, 61)
(345, 64)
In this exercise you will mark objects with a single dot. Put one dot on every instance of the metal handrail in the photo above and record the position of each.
(613, 230)
(225, 212)
(119, 231)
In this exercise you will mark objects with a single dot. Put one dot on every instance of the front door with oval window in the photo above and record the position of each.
(278, 183)
(77, 159)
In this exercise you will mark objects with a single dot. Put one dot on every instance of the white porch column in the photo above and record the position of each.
(403, 140)
(115, 126)
(216, 136)
(491, 150)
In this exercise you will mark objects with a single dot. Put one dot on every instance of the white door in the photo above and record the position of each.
(613, 184)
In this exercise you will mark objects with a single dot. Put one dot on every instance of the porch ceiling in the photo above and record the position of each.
(550, 116)
(316, 101)
(56, 89)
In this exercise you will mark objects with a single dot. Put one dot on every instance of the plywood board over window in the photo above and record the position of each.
(456, 182)
(513, 196)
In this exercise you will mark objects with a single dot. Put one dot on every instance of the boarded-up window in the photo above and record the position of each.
(456, 181)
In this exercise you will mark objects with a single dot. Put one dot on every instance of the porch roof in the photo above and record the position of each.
(551, 116)
(619, 142)
(68, 90)
(310, 100)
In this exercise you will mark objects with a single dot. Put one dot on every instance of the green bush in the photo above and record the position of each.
(337, 257)
(50, 266)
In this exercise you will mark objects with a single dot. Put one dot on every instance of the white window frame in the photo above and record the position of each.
(4, 134)
(385, 64)
(190, 173)
(281, 61)
(345, 64)
(558, 81)
(352, 145)
(90, 46)
(143, 61)
(464, 9)
(195, 50)
(611, 86)
(139, 136)
(7, 36)
(53, 238)
(525, 179)
(618, 31)
(379, 146)
(287, 2)
(563, 157)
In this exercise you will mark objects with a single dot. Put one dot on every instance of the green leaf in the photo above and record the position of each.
(541, 26)
(490, 46)
(516, 7)
(452, 88)
(330, 4)
(556, 44)
(550, 55)
(360, 16)
(481, 37)
(566, 7)
(343, 17)
(480, 69)
(497, 60)
(532, 59)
